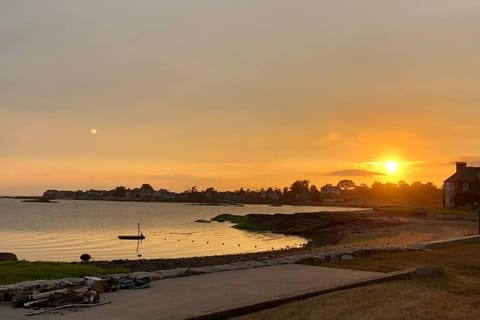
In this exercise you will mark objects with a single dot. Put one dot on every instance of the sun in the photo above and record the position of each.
(93, 131)
(391, 166)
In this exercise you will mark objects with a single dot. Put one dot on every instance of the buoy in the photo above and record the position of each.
(223, 244)
(207, 242)
(193, 240)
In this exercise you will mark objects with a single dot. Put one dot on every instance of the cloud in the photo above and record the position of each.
(354, 173)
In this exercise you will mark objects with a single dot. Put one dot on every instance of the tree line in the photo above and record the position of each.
(300, 191)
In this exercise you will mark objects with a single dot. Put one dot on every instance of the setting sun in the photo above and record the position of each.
(391, 167)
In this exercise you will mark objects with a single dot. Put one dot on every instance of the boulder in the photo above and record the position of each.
(8, 256)
(347, 257)
(151, 276)
(173, 273)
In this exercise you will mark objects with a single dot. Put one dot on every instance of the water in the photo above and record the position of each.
(63, 231)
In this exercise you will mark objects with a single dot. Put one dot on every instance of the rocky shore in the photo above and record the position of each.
(325, 231)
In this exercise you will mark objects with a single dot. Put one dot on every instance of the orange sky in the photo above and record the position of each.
(235, 93)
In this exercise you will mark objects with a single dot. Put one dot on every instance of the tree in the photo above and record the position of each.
(120, 192)
(346, 185)
(300, 187)
(146, 187)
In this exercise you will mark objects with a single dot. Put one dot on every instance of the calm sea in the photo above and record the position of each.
(63, 231)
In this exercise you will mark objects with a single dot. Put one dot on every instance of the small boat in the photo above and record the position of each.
(138, 236)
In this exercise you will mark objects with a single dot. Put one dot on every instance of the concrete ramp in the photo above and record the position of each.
(211, 295)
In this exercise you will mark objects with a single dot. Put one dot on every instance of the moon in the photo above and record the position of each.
(93, 131)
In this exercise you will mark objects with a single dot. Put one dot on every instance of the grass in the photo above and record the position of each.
(455, 296)
(17, 271)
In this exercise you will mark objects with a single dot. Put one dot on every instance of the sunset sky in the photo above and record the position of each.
(232, 93)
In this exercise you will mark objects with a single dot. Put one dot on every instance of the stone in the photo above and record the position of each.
(362, 252)
(430, 272)
(8, 256)
(140, 275)
(173, 273)
(202, 270)
(247, 264)
(312, 260)
(348, 251)
(347, 257)
(225, 267)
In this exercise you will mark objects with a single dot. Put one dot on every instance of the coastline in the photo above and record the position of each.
(328, 231)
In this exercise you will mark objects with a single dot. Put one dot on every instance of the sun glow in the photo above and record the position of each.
(391, 167)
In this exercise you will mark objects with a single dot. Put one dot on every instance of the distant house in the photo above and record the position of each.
(462, 188)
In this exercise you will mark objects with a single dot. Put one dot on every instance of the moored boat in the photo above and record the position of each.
(138, 236)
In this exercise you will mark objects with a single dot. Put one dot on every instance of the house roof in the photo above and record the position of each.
(467, 174)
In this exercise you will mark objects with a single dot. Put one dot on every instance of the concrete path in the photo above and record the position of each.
(446, 242)
(196, 296)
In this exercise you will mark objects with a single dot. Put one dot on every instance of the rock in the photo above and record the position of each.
(173, 273)
(248, 264)
(8, 256)
(347, 251)
(203, 221)
(431, 271)
(334, 258)
(224, 267)
(363, 252)
(118, 276)
(312, 261)
(144, 275)
(347, 257)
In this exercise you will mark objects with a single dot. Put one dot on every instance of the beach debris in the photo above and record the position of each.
(72, 292)
(134, 284)
(75, 305)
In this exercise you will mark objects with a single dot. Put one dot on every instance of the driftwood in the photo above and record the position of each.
(57, 294)
(31, 304)
(66, 306)
(47, 294)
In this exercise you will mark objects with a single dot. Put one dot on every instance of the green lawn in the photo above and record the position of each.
(17, 271)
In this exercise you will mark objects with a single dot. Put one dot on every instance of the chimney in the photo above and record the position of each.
(461, 166)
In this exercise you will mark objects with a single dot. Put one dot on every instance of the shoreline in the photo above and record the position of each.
(327, 231)
(359, 205)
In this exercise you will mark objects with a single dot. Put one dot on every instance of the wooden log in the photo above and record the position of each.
(91, 296)
(47, 294)
(80, 305)
(36, 303)
(19, 299)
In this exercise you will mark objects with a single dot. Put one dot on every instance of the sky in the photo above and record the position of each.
(230, 93)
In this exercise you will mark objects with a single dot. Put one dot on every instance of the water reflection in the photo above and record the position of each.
(70, 228)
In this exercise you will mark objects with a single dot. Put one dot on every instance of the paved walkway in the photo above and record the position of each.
(195, 296)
